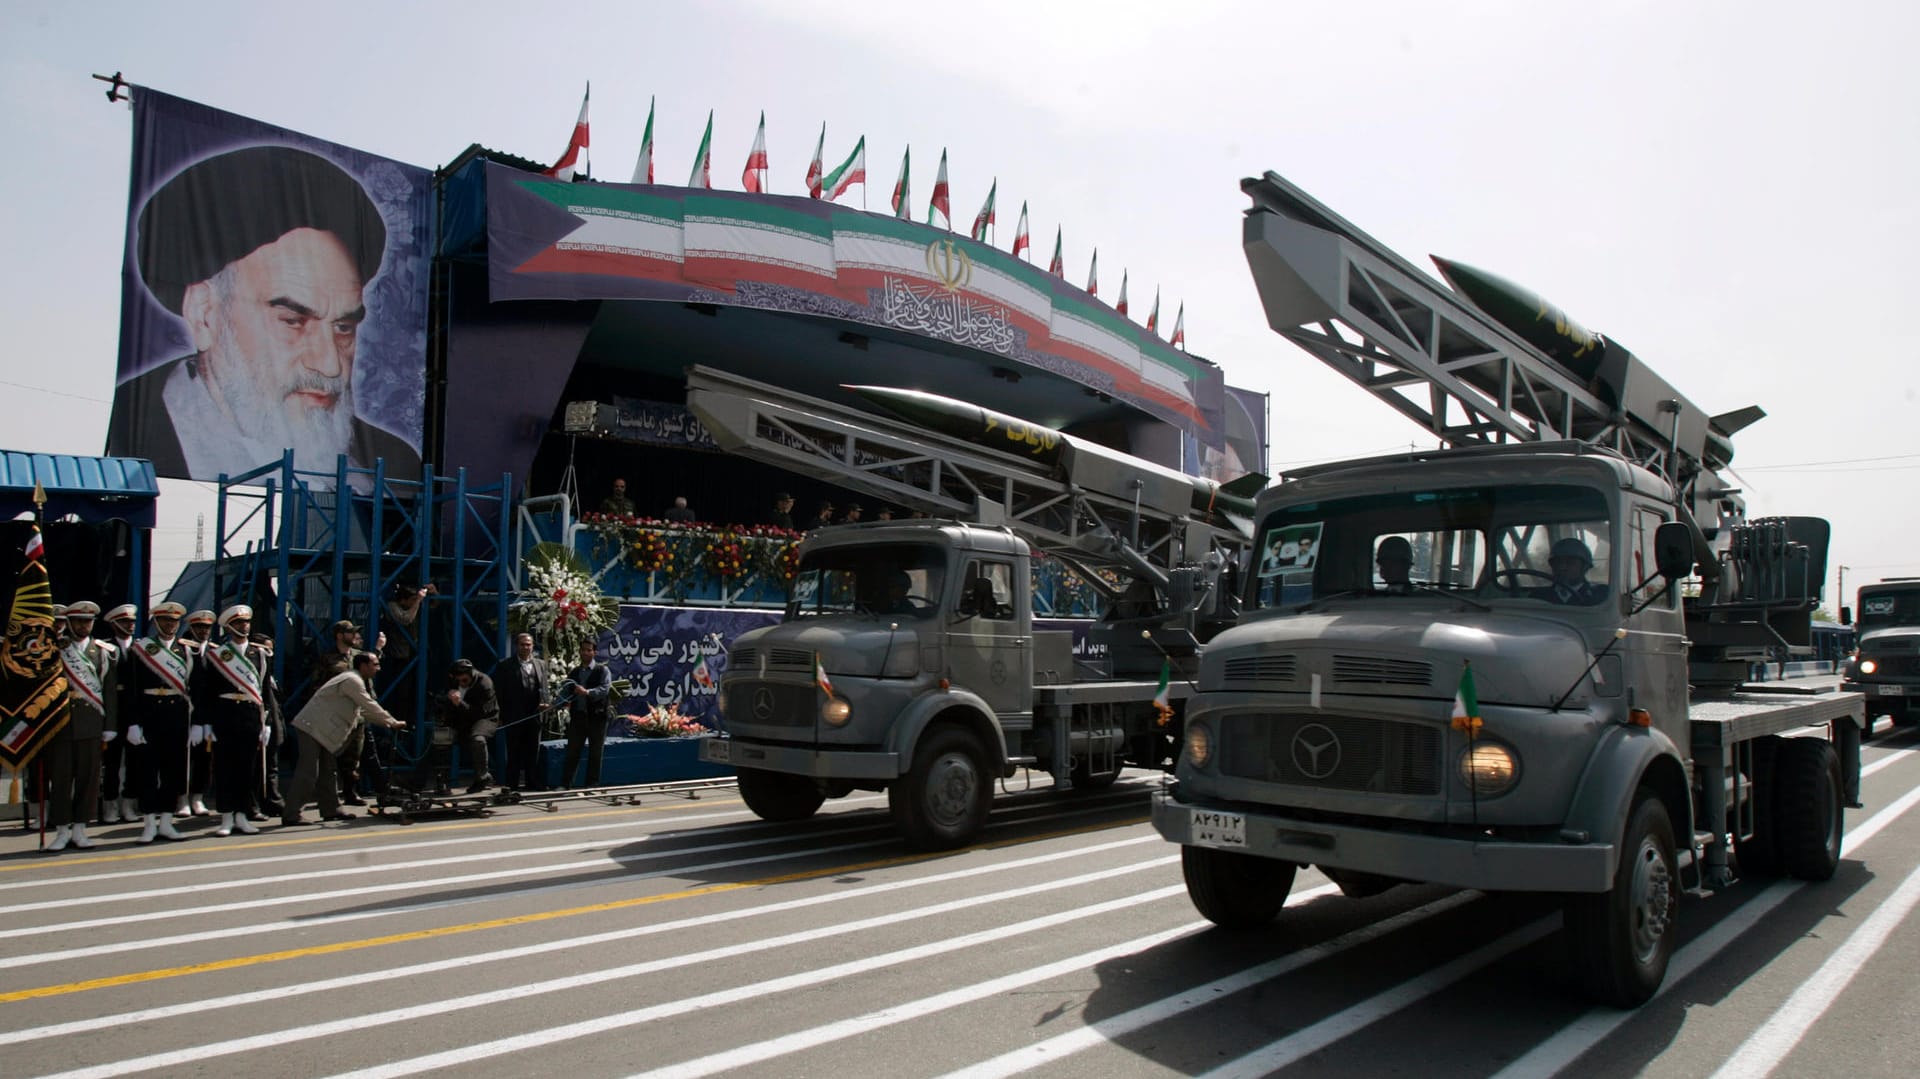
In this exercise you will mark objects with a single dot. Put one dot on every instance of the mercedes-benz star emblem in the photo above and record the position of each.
(1316, 750)
(763, 704)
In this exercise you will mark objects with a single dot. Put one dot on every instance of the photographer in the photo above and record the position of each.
(588, 692)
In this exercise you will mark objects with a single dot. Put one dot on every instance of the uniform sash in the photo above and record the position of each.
(83, 676)
(164, 662)
(236, 668)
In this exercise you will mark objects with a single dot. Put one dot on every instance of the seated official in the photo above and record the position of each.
(1394, 557)
(1570, 560)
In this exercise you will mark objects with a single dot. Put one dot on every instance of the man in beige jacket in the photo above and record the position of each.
(324, 726)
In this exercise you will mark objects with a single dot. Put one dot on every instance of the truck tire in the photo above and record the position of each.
(942, 801)
(778, 796)
(1759, 854)
(1806, 806)
(1621, 940)
(1234, 890)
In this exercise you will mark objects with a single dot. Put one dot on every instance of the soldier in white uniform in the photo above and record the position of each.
(73, 757)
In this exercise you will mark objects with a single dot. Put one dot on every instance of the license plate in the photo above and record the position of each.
(1892, 691)
(717, 751)
(1212, 828)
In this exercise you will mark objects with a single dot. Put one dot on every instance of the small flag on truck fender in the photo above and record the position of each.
(1466, 704)
(1160, 702)
(820, 676)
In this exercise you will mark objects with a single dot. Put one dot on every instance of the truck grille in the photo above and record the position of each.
(1896, 667)
(1378, 671)
(771, 704)
(1260, 669)
(1332, 753)
(778, 659)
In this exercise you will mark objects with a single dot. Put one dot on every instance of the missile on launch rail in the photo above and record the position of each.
(1531, 317)
(1083, 463)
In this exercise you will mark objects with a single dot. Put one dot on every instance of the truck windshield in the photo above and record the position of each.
(1535, 543)
(896, 580)
(1891, 608)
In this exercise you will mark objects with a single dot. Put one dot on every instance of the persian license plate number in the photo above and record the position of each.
(1893, 691)
(1213, 828)
(717, 751)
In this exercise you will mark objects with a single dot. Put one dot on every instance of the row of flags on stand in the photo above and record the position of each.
(822, 184)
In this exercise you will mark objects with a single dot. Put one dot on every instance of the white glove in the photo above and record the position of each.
(135, 737)
(265, 734)
(108, 736)
(210, 738)
(196, 734)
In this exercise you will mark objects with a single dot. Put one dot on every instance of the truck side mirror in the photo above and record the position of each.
(1673, 550)
(1846, 616)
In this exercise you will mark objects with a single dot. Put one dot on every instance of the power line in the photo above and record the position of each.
(56, 393)
(1813, 464)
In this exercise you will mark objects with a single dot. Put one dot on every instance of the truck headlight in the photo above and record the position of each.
(1199, 744)
(1868, 666)
(1489, 768)
(836, 711)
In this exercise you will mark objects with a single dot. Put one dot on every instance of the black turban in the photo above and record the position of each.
(224, 208)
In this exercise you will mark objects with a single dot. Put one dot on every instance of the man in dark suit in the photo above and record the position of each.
(521, 682)
(263, 253)
(471, 709)
(589, 693)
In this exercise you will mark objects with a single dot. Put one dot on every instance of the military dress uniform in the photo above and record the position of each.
(73, 757)
(112, 804)
(157, 713)
(232, 695)
(197, 635)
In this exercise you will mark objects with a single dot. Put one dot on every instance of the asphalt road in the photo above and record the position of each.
(684, 937)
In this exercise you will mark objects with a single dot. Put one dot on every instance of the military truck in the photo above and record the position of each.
(908, 659)
(1483, 677)
(1885, 666)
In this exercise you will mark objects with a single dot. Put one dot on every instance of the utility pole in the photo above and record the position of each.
(1840, 600)
(199, 537)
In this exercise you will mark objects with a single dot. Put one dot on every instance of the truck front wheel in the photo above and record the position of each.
(1234, 890)
(779, 796)
(1806, 809)
(1621, 939)
(942, 801)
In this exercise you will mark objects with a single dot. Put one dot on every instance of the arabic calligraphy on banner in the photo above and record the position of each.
(947, 315)
(660, 650)
(660, 424)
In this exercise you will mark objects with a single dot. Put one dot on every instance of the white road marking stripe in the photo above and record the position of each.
(1891, 758)
(1560, 1051)
(1780, 1032)
(491, 1050)
(372, 977)
(1106, 1030)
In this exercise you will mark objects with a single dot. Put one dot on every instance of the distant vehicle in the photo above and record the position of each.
(1886, 667)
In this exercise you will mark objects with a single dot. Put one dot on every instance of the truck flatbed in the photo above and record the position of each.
(1721, 723)
(1068, 694)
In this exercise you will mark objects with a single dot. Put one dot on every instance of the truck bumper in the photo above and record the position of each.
(1487, 865)
(796, 760)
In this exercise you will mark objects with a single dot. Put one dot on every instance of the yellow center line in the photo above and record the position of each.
(175, 850)
(237, 962)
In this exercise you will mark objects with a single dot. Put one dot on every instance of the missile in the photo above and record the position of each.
(1532, 318)
(1085, 464)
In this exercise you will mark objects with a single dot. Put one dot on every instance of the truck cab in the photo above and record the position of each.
(1886, 664)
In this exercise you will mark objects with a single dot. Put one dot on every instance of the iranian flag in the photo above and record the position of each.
(1021, 241)
(1055, 266)
(817, 165)
(575, 159)
(1179, 339)
(1093, 274)
(643, 165)
(1161, 702)
(1466, 703)
(1121, 307)
(900, 191)
(984, 218)
(820, 676)
(702, 174)
(701, 675)
(754, 177)
(1153, 316)
(851, 171)
(940, 209)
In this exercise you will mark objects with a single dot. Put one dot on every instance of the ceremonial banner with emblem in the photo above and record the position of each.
(33, 682)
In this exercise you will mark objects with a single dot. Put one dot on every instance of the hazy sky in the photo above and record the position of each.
(1732, 190)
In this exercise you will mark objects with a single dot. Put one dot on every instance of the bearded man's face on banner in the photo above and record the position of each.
(276, 332)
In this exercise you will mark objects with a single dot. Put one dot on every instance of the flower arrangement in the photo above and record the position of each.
(647, 552)
(664, 721)
(560, 605)
(726, 555)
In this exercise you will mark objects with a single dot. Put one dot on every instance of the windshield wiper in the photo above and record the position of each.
(1440, 590)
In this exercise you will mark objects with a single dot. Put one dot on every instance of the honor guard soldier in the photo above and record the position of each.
(232, 695)
(118, 637)
(73, 757)
(198, 636)
(158, 715)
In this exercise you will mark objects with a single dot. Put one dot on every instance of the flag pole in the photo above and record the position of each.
(39, 765)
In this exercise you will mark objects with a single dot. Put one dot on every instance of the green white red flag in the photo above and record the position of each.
(1153, 316)
(984, 218)
(702, 175)
(574, 161)
(940, 207)
(817, 166)
(901, 193)
(851, 171)
(643, 165)
(820, 676)
(754, 177)
(1179, 339)
(1021, 241)
(1162, 702)
(1121, 307)
(1055, 266)
(1466, 703)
